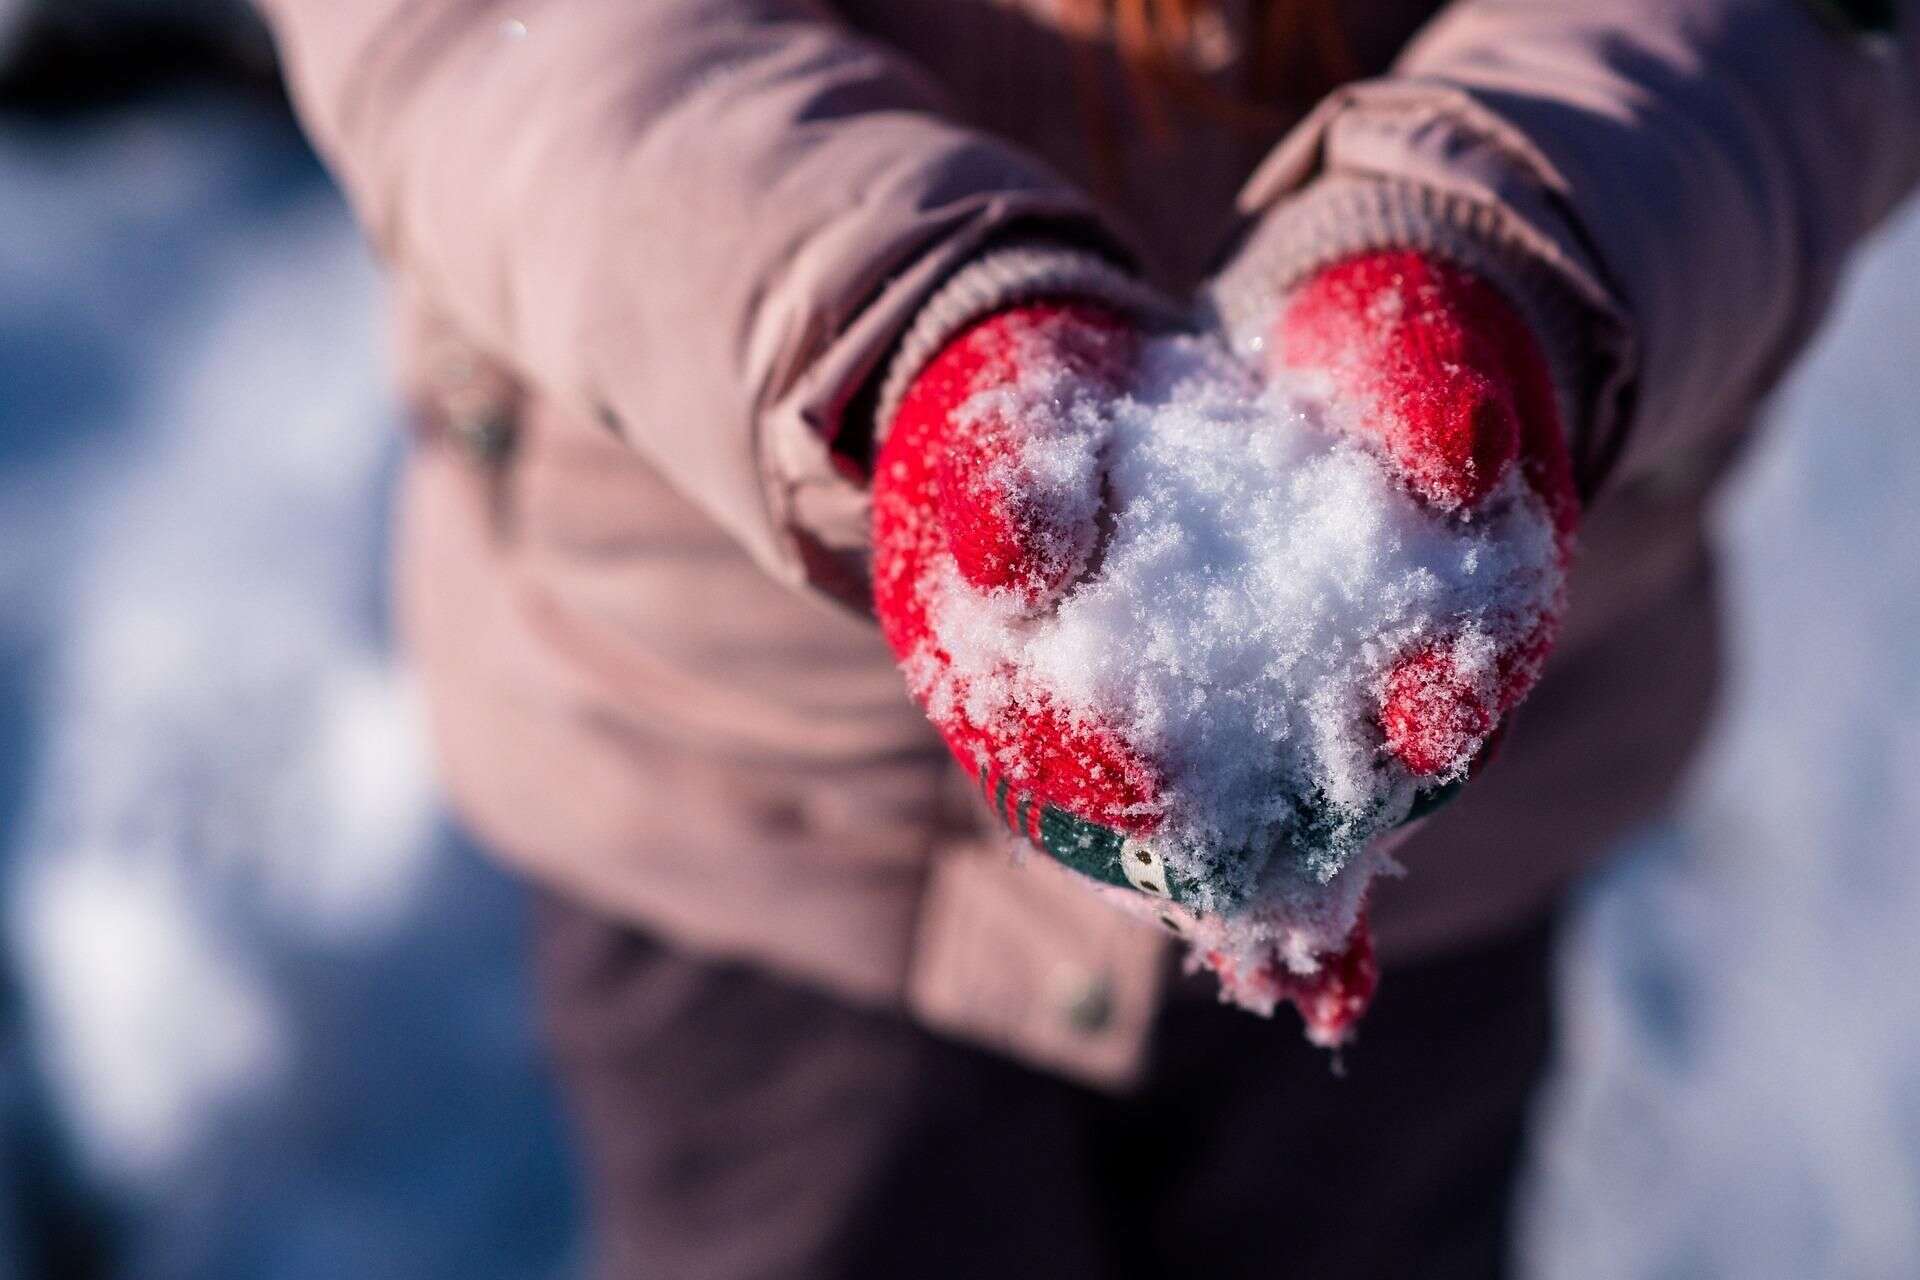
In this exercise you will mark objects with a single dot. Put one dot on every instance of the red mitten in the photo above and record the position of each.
(1331, 1000)
(950, 493)
(1455, 392)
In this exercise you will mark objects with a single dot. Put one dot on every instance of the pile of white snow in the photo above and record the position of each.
(1258, 574)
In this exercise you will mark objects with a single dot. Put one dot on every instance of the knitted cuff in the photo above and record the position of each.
(1010, 276)
(1340, 216)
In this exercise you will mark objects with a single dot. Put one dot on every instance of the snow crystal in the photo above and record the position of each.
(1256, 575)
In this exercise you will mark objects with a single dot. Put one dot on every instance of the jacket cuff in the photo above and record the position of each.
(1340, 216)
(1010, 276)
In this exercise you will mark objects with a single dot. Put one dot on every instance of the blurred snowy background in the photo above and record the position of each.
(1742, 993)
(263, 1014)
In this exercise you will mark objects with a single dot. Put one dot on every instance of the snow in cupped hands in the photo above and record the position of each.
(1257, 572)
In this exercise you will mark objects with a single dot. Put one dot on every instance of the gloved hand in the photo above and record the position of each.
(951, 494)
(1455, 392)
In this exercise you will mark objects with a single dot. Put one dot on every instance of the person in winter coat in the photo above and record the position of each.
(673, 274)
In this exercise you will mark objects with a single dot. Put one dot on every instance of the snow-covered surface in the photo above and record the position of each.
(1742, 1095)
(282, 1007)
(277, 1004)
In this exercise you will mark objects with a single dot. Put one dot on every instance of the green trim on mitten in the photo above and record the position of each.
(1324, 840)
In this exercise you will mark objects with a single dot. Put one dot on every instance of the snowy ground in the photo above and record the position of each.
(279, 1006)
(1744, 1015)
(267, 1014)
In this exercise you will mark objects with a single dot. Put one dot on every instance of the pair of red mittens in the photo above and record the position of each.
(1455, 393)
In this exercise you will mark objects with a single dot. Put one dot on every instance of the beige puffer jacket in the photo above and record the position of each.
(653, 257)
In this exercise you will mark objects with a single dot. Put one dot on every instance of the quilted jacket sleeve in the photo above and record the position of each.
(1670, 187)
(704, 222)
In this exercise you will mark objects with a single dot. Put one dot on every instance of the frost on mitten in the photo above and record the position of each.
(1169, 613)
(1439, 374)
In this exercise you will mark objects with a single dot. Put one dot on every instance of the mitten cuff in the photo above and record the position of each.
(1010, 276)
(1339, 216)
